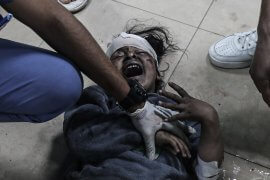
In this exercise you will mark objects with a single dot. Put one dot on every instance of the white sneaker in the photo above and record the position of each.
(75, 6)
(235, 51)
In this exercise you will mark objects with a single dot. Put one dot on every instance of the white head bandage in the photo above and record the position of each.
(133, 40)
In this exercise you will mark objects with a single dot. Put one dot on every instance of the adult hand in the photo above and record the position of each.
(172, 143)
(260, 70)
(188, 107)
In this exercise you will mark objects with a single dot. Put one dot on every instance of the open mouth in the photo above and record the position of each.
(132, 70)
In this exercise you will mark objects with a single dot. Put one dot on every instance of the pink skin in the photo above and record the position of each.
(131, 55)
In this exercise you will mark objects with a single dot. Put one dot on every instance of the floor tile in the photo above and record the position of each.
(229, 16)
(113, 17)
(239, 169)
(44, 45)
(243, 114)
(31, 151)
(16, 31)
(187, 11)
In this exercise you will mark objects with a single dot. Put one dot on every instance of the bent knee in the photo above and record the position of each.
(61, 97)
(62, 86)
(67, 90)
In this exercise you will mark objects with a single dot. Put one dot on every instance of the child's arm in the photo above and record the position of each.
(211, 149)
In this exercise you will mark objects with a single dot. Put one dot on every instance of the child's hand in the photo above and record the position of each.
(189, 107)
(172, 143)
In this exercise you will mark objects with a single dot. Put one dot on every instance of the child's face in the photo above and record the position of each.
(137, 64)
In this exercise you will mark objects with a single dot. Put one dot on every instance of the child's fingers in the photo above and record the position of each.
(181, 116)
(184, 149)
(174, 144)
(172, 96)
(170, 149)
(179, 89)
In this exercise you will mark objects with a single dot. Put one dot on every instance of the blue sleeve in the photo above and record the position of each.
(2, 2)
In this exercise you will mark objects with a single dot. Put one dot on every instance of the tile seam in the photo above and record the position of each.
(155, 14)
(184, 53)
(252, 162)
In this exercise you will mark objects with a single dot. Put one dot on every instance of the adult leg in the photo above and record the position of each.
(36, 85)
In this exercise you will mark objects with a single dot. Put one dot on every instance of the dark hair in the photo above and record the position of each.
(158, 37)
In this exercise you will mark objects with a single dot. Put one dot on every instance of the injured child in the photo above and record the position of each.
(103, 142)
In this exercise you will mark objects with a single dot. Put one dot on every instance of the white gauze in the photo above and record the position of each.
(133, 40)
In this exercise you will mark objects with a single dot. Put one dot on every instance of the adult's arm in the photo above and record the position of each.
(63, 32)
(260, 68)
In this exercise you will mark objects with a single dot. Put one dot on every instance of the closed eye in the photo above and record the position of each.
(142, 53)
(117, 54)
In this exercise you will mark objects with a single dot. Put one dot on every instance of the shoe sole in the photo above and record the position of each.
(229, 65)
(78, 8)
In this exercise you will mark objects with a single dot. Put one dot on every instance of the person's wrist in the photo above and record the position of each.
(136, 97)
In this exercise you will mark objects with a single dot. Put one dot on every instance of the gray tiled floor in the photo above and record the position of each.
(25, 35)
(239, 169)
(190, 12)
(228, 16)
(34, 150)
